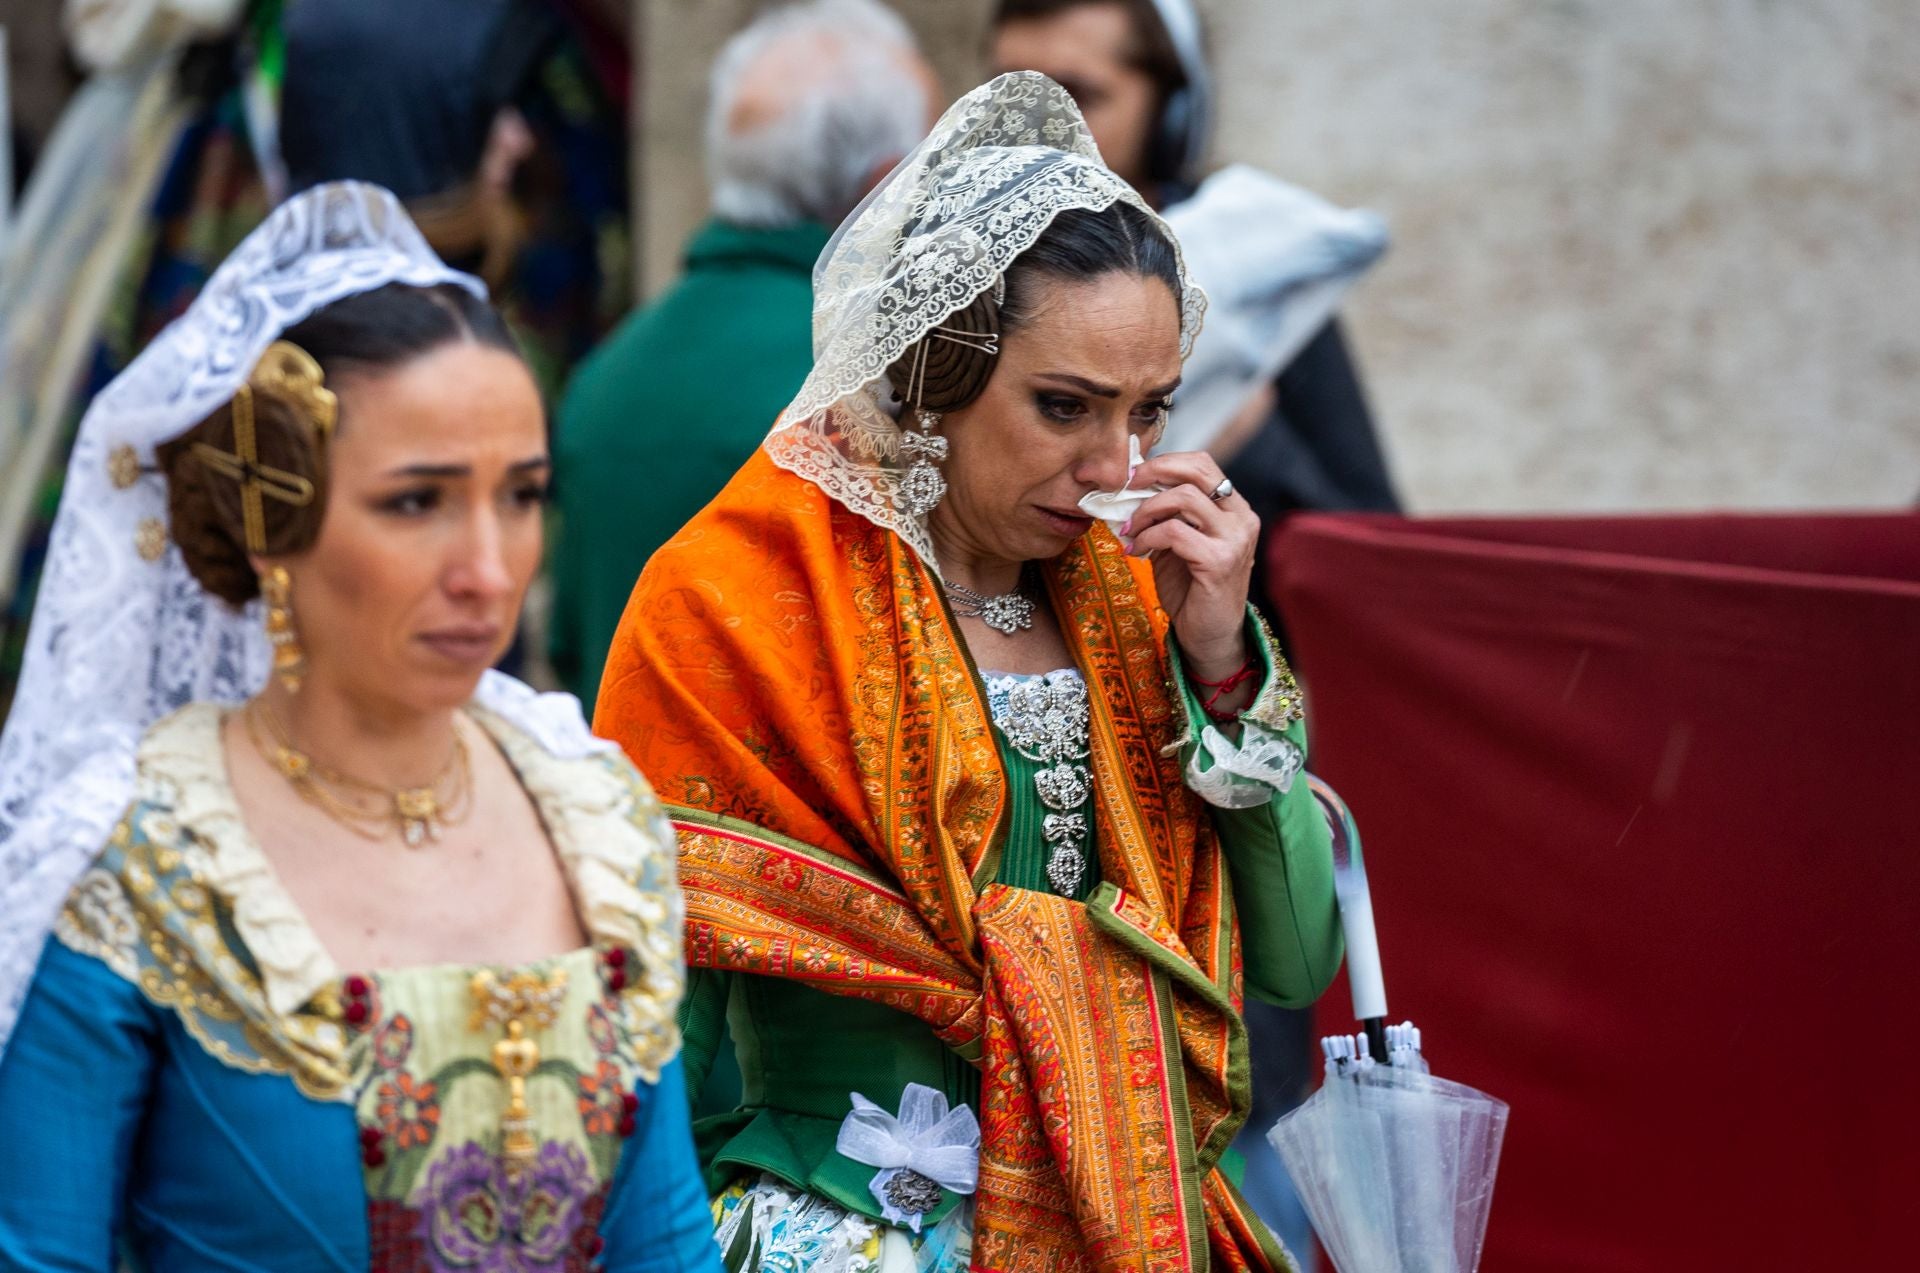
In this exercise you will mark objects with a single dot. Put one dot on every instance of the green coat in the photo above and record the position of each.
(658, 418)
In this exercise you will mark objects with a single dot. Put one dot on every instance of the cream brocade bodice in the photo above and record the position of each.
(491, 1101)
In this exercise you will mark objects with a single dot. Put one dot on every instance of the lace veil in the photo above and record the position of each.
(1001, 164)
(122, 634)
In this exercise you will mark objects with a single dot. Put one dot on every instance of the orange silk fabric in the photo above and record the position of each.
(787, 675)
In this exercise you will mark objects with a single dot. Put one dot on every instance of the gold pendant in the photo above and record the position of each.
(523, 1000)
(419, 812)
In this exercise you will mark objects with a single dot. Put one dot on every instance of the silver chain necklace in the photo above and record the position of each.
(1010, 612)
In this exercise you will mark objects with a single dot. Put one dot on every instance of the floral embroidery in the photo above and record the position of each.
(600, 1030)
(479, 1216)
(602, 1103)
(408, 1110)
(447, 1189)
(392, 1042)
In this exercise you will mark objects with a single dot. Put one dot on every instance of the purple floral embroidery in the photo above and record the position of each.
(477, 1216)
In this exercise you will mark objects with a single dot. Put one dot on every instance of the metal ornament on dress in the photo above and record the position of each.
(1046, 720)
(911, 1193)
(924, 1150)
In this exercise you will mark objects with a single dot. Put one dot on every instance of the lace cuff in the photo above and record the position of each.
(1246, 774)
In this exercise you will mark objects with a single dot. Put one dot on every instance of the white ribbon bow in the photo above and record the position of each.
(926, 1138)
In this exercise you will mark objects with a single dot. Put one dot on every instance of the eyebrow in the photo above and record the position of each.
(531, 463)
(1103, 391)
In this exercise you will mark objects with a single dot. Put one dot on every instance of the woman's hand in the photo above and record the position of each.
(1202, 552)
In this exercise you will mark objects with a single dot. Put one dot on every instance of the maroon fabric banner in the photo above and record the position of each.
(1641, 807)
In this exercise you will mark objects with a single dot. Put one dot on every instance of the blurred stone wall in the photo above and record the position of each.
(1647, 255)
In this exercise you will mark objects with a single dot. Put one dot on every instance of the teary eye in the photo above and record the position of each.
(1062, 407)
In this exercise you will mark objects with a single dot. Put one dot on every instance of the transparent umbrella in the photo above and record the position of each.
(1394, 1165)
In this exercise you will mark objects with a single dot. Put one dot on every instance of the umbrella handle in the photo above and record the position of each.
(1364, 976)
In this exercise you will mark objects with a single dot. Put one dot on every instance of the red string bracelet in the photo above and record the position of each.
(1223, 688)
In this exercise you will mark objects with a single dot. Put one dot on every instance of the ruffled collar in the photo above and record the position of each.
(586, 803)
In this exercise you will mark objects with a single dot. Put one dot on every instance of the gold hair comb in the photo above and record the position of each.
(290, 372)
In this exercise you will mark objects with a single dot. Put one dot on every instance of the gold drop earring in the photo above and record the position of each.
(289, 660)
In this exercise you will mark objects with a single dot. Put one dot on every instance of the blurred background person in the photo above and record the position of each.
(809, 107)
(1138, 69)
(501, 123)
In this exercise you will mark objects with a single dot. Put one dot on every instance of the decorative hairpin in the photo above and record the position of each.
(289, 372)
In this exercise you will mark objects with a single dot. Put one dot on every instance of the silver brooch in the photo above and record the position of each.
(1046, 719)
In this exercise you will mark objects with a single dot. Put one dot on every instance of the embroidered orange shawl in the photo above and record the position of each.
(788, 677)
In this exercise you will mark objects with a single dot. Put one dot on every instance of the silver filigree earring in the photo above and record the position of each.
(923, 486)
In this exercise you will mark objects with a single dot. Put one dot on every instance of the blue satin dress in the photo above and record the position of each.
(192, 1085)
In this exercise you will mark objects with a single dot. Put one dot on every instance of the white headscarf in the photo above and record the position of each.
(1001, 164)
(122, 633)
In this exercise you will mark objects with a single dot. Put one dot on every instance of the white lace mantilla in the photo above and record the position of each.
(1001, 164)
(122, 634)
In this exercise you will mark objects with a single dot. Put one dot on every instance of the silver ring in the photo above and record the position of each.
(1221, 491)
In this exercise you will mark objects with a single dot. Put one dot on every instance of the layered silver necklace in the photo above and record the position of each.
(1010, 612)
(1046, 719)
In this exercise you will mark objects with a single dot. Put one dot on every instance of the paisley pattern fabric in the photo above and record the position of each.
(184, 904)
(789, 672)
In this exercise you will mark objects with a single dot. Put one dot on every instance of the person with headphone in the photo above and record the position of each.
(1138, 70)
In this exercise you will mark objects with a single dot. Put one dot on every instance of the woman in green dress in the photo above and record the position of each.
(988, 809)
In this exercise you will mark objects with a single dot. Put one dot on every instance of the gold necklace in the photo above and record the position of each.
(419, 812)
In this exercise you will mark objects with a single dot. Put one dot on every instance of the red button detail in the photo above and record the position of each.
(370, 1136)
(616, 981)
(375, 1157)
(626, 1125)
(596, 1246)
(629, 1102)
(357, 987)
(617, 957)
(357, 1012)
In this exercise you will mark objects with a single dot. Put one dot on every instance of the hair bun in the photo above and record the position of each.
(949, 366)
(205, 508)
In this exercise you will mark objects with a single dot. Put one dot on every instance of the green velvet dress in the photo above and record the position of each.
(802, 1051)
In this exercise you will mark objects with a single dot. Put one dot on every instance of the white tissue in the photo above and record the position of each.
(1116, 508)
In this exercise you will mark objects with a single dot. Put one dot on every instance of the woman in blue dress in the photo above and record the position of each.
(322, 947)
